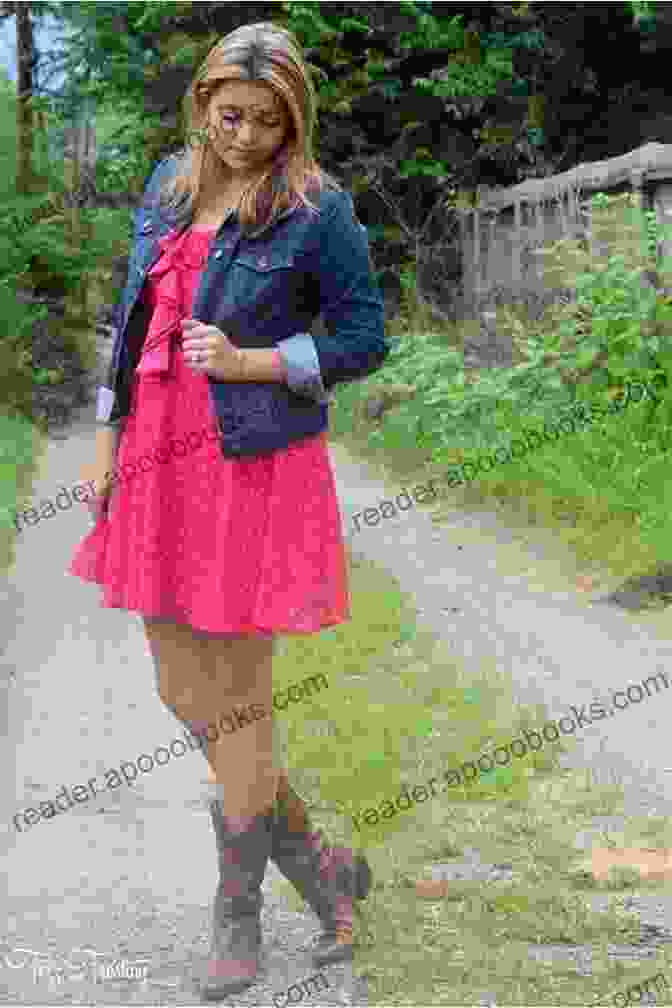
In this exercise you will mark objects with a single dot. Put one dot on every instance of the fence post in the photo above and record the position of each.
(516, 278)
(643, 202)
(478, 266)
(662, 200)
(492, 242)
(468, 297)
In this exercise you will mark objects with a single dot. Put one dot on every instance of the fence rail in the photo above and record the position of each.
(500, 237)
(499, 233)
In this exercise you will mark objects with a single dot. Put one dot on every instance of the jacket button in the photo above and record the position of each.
(218, 254)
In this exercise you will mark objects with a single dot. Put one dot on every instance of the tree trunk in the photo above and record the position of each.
(472, 54)
(25, 181)
(536, 107)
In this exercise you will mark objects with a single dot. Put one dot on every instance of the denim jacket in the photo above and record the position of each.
(264, 290)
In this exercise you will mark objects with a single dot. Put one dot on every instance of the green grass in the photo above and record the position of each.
(21, 446)
(390, 684)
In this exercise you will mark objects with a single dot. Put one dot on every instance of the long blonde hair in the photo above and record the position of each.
(257, 52)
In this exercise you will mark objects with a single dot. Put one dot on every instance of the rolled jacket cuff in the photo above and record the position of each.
(104, 405)
(303, 367)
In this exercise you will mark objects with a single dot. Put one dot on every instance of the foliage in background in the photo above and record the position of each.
(36, 247)
(615, 322)
(33, 230)
(113, 56)
(584, 352)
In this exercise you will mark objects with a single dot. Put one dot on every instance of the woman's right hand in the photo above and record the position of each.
(97, 477)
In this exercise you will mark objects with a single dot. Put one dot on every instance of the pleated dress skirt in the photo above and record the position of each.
(238, 546)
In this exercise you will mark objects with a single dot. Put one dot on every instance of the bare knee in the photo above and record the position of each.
(240, 667)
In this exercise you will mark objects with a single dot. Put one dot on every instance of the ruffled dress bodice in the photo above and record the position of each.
(171, 279)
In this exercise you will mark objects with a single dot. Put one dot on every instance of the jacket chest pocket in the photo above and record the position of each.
(271, 286)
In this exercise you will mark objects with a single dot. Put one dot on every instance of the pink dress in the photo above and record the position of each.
(247, 545)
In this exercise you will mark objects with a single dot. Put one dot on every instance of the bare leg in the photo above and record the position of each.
(181, 668)
(223, 687)
(240, 697)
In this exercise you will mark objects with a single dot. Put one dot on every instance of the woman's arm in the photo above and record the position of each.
(100, 470)
(262, 366)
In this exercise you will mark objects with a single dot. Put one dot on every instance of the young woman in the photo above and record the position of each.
(237, 537)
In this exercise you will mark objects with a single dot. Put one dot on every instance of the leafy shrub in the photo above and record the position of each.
(616, 329)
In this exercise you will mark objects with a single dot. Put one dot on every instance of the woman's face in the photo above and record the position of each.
(247, 125)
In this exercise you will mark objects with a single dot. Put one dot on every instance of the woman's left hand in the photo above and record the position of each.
(209, 351)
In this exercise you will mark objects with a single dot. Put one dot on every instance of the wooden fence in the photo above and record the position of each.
(499, 233)
(500, 237)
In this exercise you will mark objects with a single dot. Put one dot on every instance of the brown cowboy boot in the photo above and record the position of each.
(328, 878)
(243, 847)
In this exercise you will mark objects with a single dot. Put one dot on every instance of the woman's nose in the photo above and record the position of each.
(246, 134)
